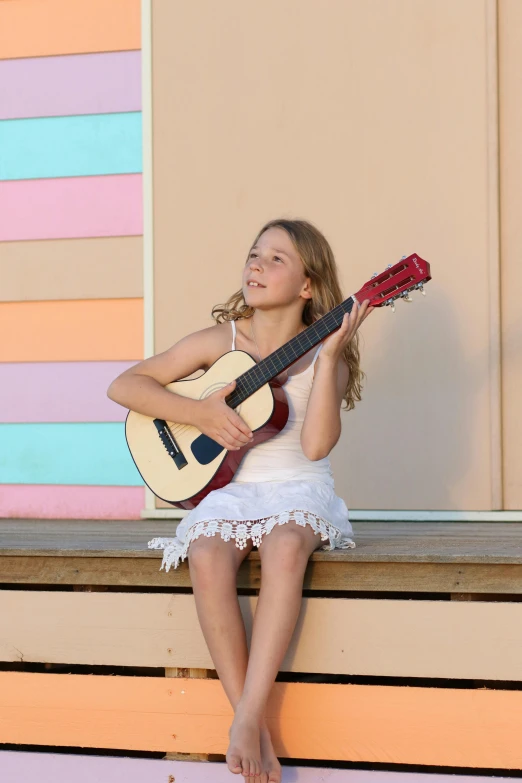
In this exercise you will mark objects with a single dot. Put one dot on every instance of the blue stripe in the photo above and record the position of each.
(50, 147)
(88, 454)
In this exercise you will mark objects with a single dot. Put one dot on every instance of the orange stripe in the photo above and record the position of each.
(439, 726)
(33, 28)
(72, 330)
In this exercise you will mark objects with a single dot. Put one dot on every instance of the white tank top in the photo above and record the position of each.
(281, 458)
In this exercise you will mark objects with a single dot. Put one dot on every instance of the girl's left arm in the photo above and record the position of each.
(322, 424)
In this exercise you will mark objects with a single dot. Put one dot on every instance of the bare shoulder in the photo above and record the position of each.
(195, 351)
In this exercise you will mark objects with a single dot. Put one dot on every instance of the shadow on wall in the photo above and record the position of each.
(419, 439)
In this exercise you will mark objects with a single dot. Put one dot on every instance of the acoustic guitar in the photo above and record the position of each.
(180, 464)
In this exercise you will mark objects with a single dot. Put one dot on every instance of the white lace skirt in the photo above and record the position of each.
(250, 510)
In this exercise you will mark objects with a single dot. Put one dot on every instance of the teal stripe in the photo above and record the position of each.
(93, 144)
(94, 454)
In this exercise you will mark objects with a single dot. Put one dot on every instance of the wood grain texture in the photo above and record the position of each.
(352, 636)
(96, 268)
(51, 501)
(61, 331)
(20, 766)
(89, 145)
(440, 726)
(30, 28)
(64, 453)
(77, 84)
(59, 392)
(75, 551)
(71, 207)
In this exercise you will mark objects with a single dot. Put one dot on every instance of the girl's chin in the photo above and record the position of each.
(254, 295)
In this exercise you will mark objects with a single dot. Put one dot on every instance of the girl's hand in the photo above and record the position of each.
(222, 423)
(335, 344)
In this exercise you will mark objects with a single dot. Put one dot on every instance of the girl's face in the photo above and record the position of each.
(274, 274)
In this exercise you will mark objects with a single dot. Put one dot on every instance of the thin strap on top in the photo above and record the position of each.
(233, 335)
(316, 354)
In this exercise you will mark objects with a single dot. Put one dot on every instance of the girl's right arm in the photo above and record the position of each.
(141, 389)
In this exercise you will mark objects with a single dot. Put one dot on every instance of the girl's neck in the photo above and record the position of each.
(274, 328)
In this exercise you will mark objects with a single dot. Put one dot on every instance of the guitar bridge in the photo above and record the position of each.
(169, 441)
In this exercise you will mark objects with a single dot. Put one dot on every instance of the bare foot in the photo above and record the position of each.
(244, 751)
(269, 761)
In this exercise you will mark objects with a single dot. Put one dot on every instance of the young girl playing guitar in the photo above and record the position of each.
(282, 497)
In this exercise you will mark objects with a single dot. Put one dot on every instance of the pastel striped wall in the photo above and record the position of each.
(70, 255)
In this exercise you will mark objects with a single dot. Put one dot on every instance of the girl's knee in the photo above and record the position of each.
(289, 549)
(210, 558)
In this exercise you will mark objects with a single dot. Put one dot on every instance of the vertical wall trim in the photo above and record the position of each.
(495, 399)
(148, 211)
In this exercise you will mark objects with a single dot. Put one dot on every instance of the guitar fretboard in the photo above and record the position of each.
(263, 372)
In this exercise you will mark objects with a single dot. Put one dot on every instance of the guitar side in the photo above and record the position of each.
(203, 465)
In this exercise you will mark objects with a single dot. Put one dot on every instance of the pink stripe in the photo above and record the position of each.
(19, 766)
(71, 207)
(30, 501)
(59, 391)
(77, 84)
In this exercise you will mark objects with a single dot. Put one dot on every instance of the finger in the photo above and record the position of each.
(222, 442)
(237, 436)
(225, 391)
(238, 422)
(227, 442)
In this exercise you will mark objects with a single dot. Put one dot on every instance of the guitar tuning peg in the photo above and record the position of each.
(374, 275)
(389, 266)
(421, 289)
(392, 305)
(407, 298)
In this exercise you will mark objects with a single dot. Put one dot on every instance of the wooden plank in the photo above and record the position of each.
(75, 551)
(71, 207)
(33, 391)
(21, 766)
(63, 453)
(30, 28)
(62, 331)
(78, 84)
(352, 636)
(95, 268)
(391, 542)
(52, 501)
(376, 724)
(89, 145)
(22, 566)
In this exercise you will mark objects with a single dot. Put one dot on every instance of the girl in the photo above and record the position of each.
(282, 498)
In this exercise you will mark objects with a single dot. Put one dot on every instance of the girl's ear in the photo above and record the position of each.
(306, 291)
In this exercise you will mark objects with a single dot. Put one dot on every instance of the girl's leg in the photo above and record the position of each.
(284, 553)
(213, 565)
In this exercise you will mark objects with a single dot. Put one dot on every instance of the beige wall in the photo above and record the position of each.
(377, 121)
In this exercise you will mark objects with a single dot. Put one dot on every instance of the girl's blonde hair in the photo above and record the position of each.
(319, 264)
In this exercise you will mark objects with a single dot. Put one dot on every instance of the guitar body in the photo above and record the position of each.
(177, 462)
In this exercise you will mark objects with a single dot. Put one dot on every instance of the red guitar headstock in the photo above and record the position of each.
(396, 282)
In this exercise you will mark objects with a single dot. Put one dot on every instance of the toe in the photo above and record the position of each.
(234, 764)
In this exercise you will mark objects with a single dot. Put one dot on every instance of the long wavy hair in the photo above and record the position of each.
(320, 266)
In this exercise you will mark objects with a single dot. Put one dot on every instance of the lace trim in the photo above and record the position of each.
(175, 549)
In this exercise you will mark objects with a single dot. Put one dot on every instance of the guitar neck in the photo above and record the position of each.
(263, 372)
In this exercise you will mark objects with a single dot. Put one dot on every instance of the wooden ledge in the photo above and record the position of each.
(444, 557)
